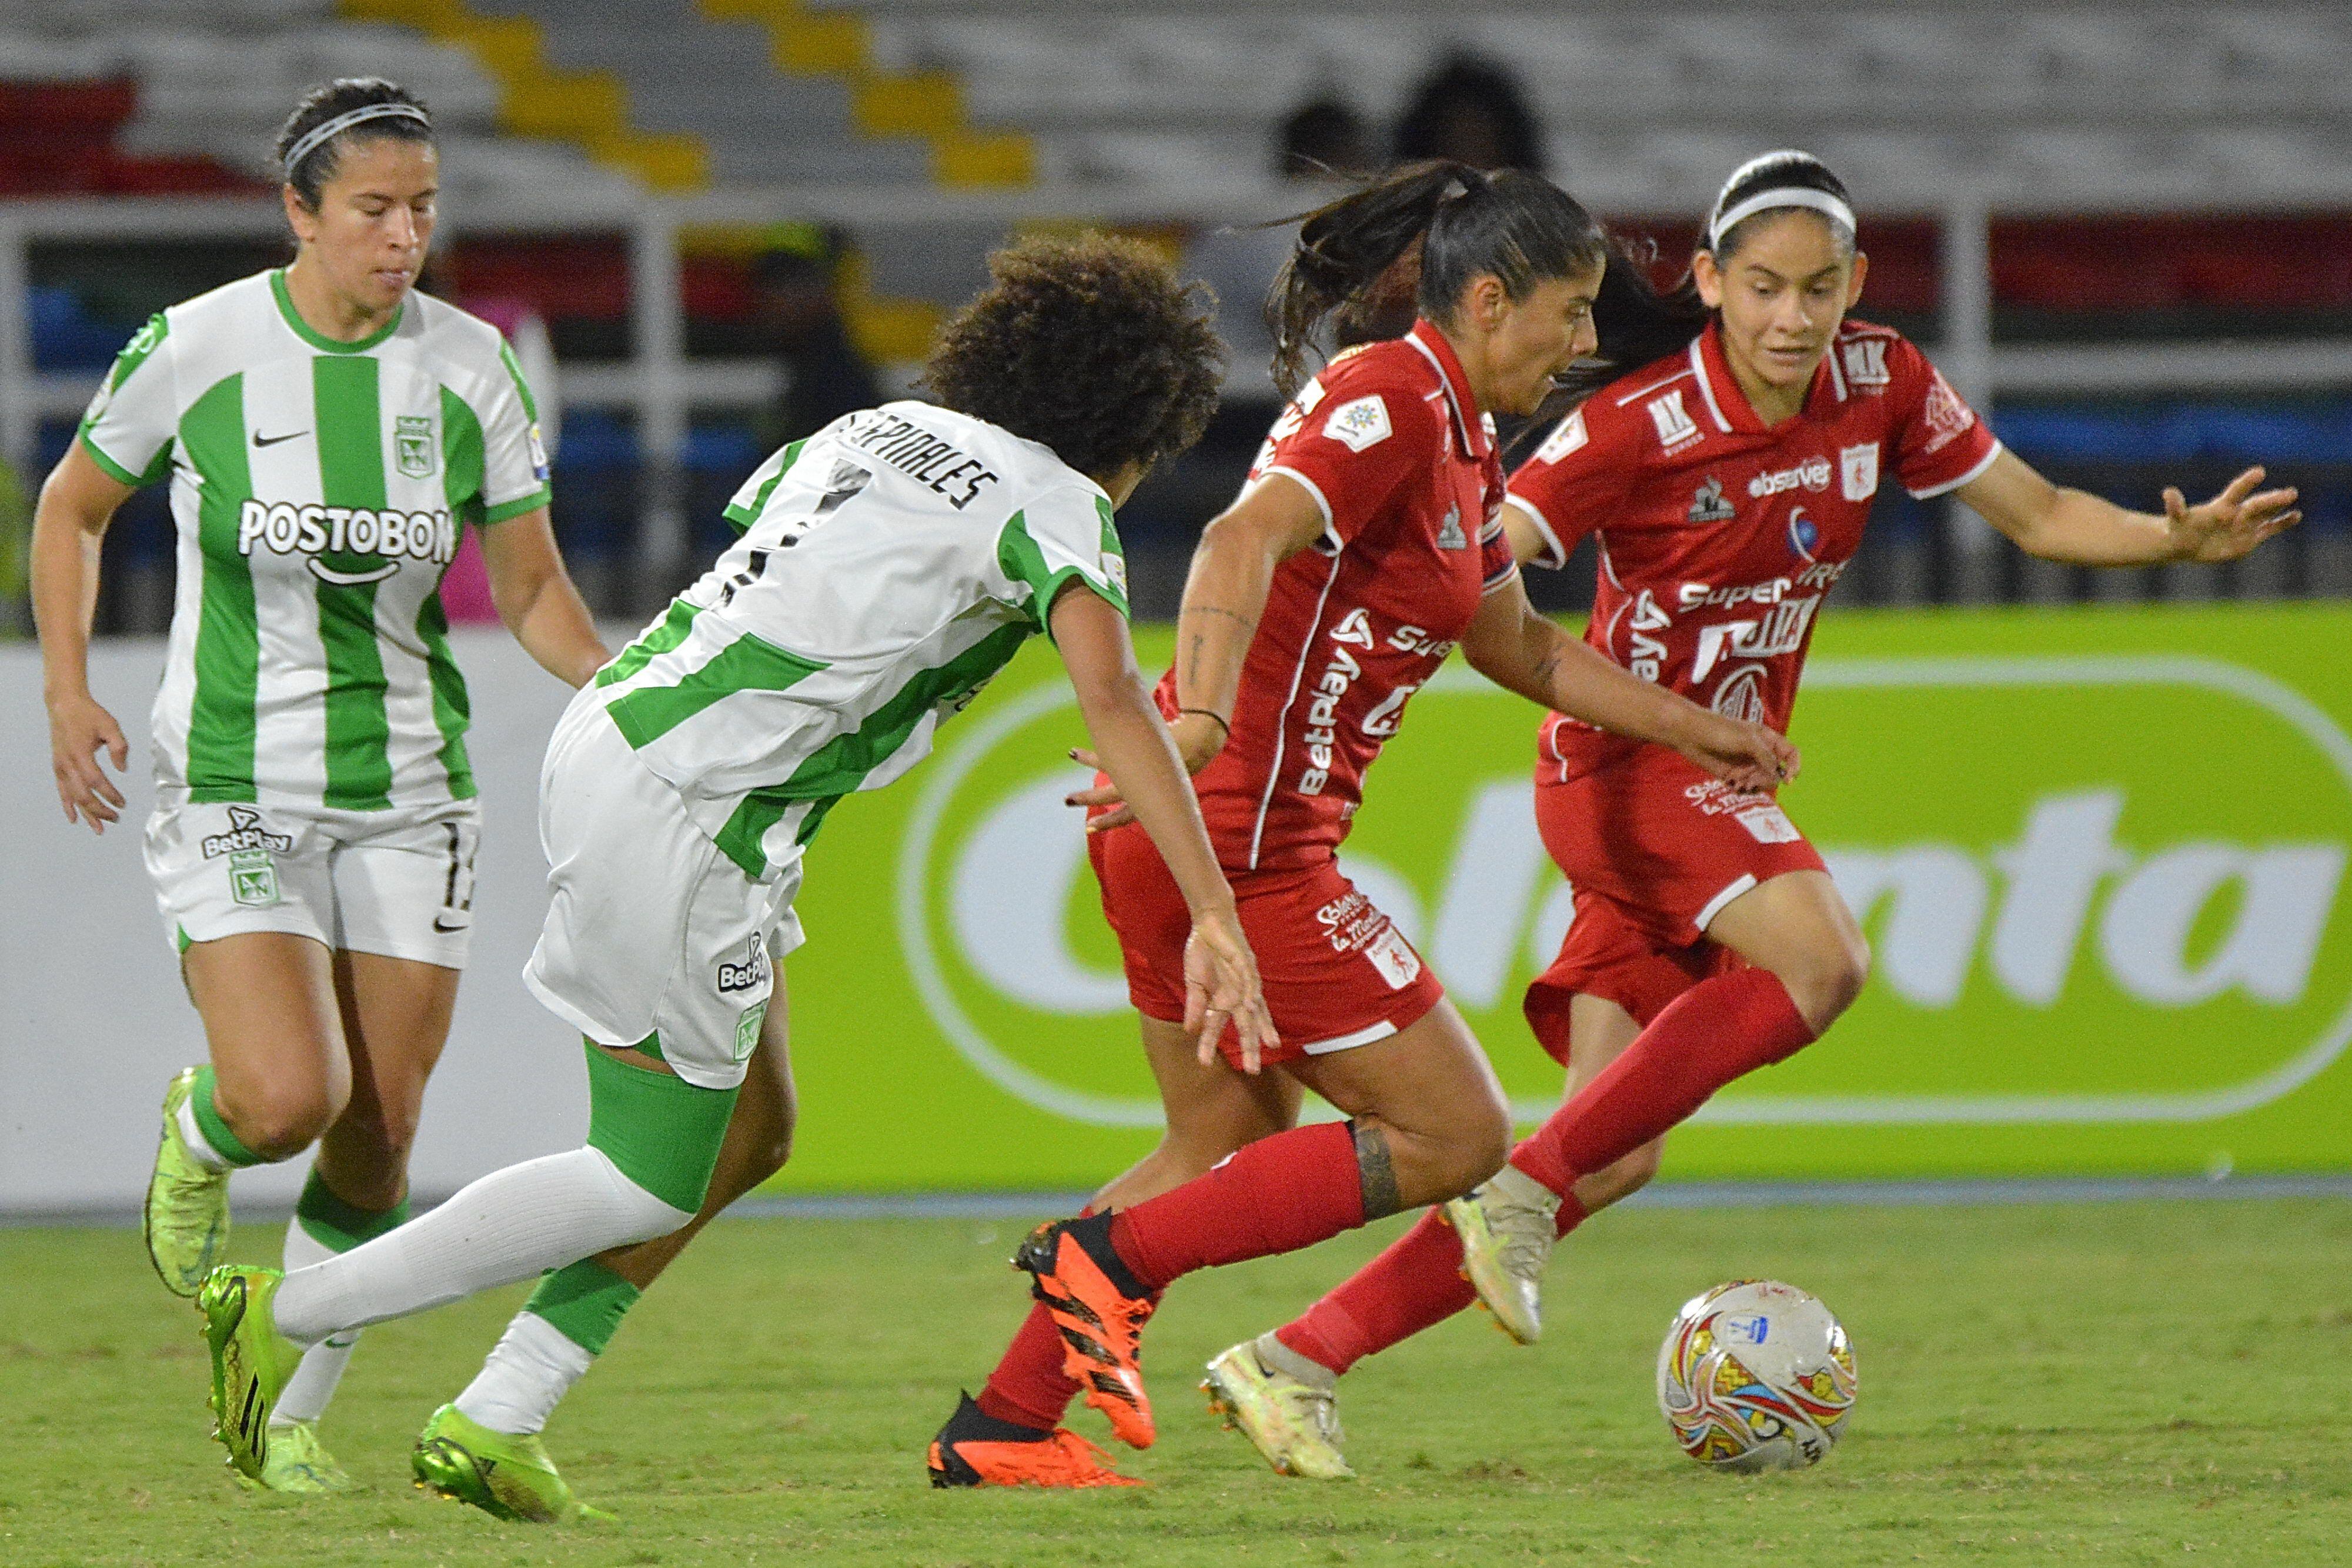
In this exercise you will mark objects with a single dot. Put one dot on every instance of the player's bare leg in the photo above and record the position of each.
(1012, 1435)
(396, 1017)
(276, 1074)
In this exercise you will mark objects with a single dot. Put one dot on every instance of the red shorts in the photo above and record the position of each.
(1337, 970)
(1655, 848)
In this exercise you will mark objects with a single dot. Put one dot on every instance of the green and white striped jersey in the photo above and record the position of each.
(889, 565)
(317, 490)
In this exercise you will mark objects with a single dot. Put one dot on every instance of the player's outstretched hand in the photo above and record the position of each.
(2231, 523)
(79, 728)
(1221, 986)
(1198, 740)
(1745, 756)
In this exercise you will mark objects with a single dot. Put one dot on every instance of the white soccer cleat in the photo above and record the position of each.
(1284, 1404)
(1508, 1230)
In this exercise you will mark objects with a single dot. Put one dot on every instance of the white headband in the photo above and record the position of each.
(1768, 201)
(319, 134)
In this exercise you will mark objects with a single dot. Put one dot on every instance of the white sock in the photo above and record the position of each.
(533, 1365)
(192, 1134)
(313, 1383)
(508, 1226)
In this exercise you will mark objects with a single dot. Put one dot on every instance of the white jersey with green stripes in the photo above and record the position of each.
(889, 566)
(317, 490)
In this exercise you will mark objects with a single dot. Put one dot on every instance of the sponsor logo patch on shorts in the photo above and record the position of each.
(1393, 956)
(253, 877)
(247, 834)
(750, 975)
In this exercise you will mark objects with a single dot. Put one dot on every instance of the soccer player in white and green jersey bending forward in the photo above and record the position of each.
(889, 566)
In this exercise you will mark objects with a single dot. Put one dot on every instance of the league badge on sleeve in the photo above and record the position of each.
(1566, 437)
(1361, 424)
(538, 452)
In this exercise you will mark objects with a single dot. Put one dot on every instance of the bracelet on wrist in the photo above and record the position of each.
(1211, 715)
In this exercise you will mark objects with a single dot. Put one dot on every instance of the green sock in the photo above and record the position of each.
(659, 1131)
(336, 1225)
(584, 1301)
(225, 1144)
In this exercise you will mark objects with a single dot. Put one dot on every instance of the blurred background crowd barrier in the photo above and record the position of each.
(2123, 230)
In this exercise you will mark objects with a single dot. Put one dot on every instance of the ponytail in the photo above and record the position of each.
(1420, 232)
(1636, 322)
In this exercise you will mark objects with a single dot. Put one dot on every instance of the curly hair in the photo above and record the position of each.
(1090, 346)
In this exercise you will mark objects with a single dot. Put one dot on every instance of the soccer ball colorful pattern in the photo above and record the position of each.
(1756, 1375)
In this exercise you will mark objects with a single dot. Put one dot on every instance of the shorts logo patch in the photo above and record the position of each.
(752, 975)
(253, 877)
(1360, 425)
(415, 452)
(1393, 956)
(1708, 503)
(247, 834)
(1768, 825)
(747, 1031)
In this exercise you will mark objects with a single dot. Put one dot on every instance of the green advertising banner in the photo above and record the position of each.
(2100, 854)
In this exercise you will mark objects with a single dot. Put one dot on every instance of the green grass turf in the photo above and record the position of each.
(2117, 1382)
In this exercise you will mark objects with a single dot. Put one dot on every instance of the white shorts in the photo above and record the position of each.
(651, 931)
(398, 882)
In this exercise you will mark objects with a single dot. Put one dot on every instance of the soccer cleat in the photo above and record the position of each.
(1508, 1230)
(1293, 1422)
(506, 1475)
(251, 1361)
(973, 1449)
(299, 1464)
(186, 1219)
(1101, 1327)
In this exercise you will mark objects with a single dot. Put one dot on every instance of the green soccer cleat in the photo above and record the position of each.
(1507, 1229)
(299, 1464)
(251, 1362)
(1293, 1421)
(504, 1475)
(186, 1216)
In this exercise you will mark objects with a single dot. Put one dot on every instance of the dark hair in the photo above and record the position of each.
(1422, 231)
(1639, 322)
(1089, 345)
(1462, 84)
(310, 175)
(1788, 170)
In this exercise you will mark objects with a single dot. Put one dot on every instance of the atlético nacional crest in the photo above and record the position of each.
(414, 446)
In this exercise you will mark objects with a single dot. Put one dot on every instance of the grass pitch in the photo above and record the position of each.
(2121, 1382)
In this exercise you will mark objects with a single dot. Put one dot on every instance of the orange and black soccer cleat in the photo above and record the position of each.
(1100, 1310)
(975, 1449)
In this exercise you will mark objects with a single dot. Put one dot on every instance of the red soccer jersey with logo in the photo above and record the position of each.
(1403, 467)
(1719, 537)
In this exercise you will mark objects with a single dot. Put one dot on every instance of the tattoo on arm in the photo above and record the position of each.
(1375, 1170)
(1249, 623)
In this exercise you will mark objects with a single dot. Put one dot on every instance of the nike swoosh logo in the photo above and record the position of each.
(461, 925)
(261, 440)
(351, 579)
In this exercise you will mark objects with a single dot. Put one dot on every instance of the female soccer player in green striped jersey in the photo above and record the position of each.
(326, 433)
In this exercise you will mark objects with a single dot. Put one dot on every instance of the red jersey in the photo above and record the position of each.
(1718, 537)
(1404, 466)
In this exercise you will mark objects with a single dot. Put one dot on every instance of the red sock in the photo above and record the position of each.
(1416, 1283)
(1277, 1194)
(1027, 1387)
(1716, 1031)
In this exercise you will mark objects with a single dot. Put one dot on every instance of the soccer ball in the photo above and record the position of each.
(1756, 1375)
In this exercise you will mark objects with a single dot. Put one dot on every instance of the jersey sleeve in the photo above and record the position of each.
(1939, 442)
(129, 427)
(1574, 481)
(514, 459)
(751, 499)
(1062, 535)
(1497, 564)
(1353, 449)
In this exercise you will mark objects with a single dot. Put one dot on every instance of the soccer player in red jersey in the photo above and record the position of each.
(1727, 480)
(1364, 548)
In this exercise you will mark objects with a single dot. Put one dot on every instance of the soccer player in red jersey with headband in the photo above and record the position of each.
(1364, 548)
(1727, 480)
